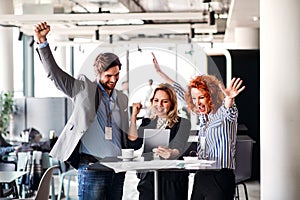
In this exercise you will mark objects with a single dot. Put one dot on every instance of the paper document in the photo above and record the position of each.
(141, 165)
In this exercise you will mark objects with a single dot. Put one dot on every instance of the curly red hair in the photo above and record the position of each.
(209, 85)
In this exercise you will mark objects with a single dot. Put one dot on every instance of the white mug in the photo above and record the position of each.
(52, 134)
(127, 153)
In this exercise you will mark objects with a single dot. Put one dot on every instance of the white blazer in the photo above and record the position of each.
(83, 93)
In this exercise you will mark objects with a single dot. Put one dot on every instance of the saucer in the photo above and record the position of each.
(189, 159)
(126, 158)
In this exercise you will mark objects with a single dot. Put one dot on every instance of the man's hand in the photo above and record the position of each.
(41, 30)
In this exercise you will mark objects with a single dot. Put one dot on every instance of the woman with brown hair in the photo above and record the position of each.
(164, 115)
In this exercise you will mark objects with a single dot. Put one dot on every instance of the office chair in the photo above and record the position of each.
(68, 174)
(243, 163)
(44, 185)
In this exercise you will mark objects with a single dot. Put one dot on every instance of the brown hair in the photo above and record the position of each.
(172, 115)
(209, 85)
(104, 61)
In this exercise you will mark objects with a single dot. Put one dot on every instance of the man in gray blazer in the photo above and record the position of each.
(98, 125)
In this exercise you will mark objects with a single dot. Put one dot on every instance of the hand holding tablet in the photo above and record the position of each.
(153, 138)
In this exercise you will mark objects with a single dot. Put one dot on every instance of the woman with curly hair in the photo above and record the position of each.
(207, 97)
(217, 134)
(164, 115)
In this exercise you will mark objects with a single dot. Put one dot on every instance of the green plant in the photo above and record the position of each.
(7, 107)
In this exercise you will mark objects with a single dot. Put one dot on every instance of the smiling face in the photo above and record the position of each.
(201, 101)
(109, 78)
(161, 103)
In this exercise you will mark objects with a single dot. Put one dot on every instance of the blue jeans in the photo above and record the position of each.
(102, 185)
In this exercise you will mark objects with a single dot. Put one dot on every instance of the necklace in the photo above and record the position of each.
(161, 123)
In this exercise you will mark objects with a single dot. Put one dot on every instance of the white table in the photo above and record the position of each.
(155, 166)
(9, 176)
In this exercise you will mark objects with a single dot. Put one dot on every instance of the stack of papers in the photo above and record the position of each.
(198, 164)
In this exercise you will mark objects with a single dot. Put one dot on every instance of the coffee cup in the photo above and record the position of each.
(127, 153)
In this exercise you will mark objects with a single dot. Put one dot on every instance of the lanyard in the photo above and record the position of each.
(109, 112)
(161, 123)
(107, 107)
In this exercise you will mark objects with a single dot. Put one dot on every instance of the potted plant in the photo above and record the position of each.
(7, 107)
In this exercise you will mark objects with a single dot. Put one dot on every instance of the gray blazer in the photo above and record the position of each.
(86, 98)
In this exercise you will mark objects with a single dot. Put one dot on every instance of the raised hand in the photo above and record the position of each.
(160, 72)
(233, 89)
(156, 65)
(132, 133)
(41, 30)
(136, 107)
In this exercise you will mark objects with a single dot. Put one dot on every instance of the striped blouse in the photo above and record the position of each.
(220, 132)
(179, 91)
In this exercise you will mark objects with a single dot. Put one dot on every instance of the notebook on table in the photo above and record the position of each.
(154, 138)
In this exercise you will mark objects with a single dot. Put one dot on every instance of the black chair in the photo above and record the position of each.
(9, 189)
(243, 160)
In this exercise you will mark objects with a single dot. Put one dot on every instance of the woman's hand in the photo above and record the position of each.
(132, 133)
(156, 65)
(160, 72)
(166, 152)
(41, 30)
(136, 108)
(232, 91)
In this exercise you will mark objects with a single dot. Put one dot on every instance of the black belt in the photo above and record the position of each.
(88, 157)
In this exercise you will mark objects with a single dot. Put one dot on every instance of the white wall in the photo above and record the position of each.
(280, 99)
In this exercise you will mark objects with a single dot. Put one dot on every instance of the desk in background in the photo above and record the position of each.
(8, 177)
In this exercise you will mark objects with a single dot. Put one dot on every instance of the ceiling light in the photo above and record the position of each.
(20, 35)
(192, 34)
(91, 23)
(255, 18)
(211, 16)
(31, 42)
(125, 21)
(97, 35)
(110, 39)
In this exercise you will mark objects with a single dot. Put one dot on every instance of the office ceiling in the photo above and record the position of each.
(133, 19)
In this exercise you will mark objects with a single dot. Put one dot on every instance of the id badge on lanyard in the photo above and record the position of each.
(108, 128)
(108, 133)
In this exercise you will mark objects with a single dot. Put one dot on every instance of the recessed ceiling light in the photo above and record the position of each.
(255, 18)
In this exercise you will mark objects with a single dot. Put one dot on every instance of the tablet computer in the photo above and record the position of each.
(154, 138)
